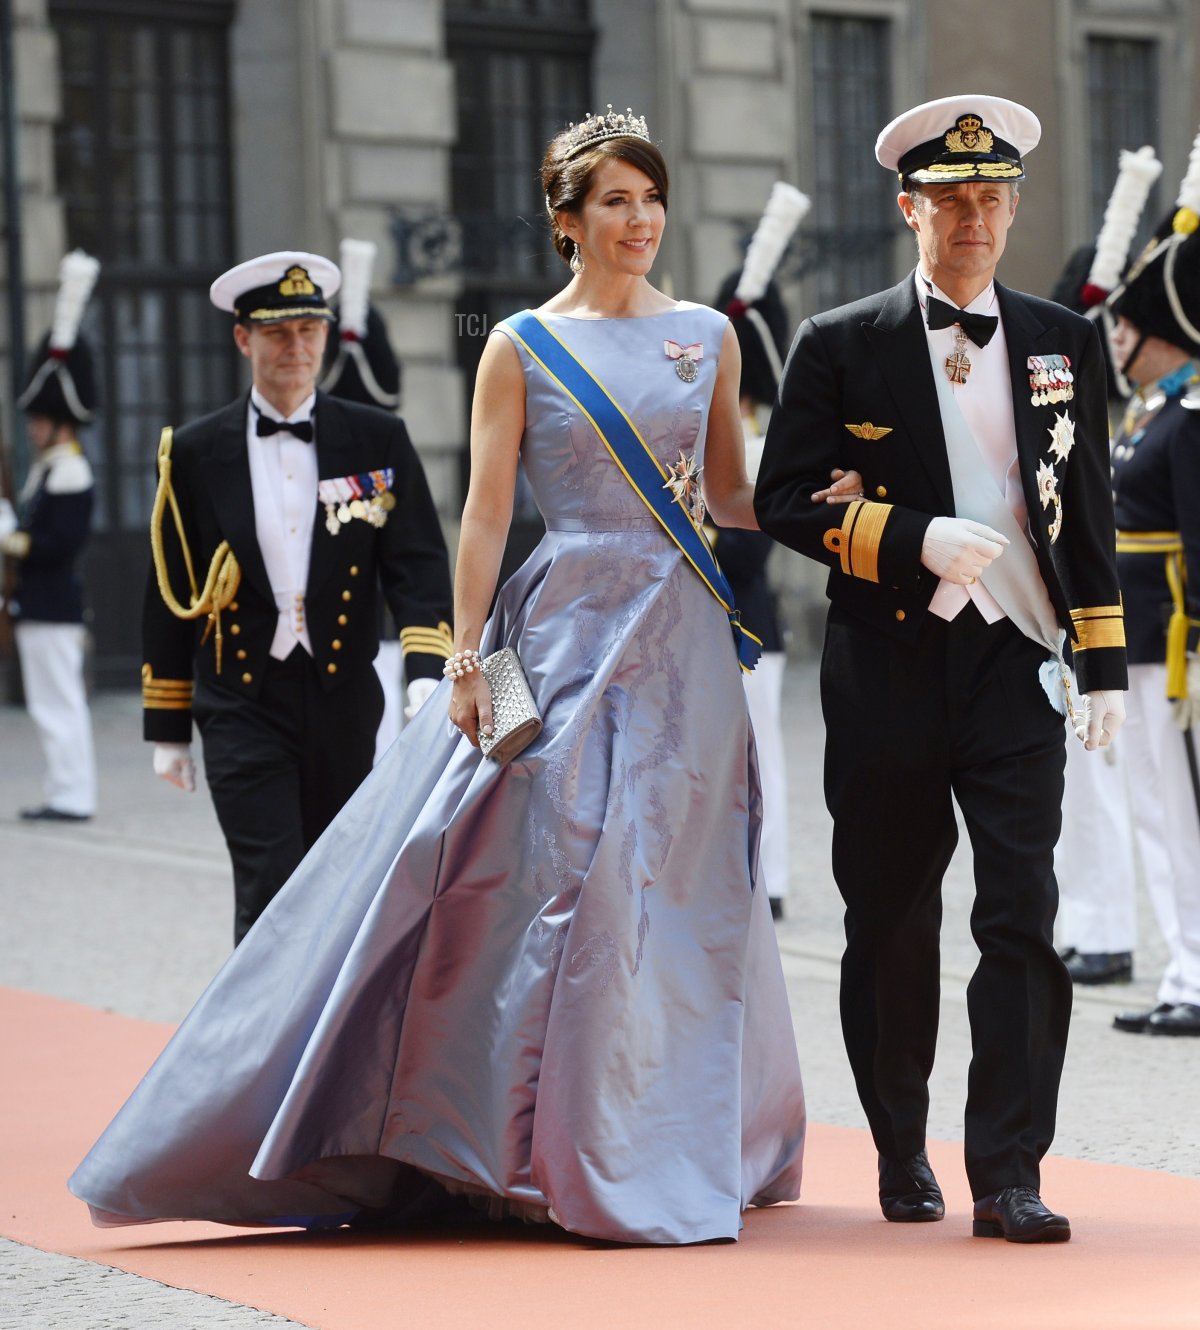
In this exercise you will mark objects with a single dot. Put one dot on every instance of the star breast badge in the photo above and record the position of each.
(1047, 483)
(1062, 436)
(683, 480)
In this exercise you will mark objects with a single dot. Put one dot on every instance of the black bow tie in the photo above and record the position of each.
(979, 327)
(301, 429)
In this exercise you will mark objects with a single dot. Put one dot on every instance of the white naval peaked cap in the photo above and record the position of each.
(971, 136)
(289, 284)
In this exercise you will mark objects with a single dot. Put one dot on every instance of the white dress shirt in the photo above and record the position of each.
(283, 480)
(986, 402)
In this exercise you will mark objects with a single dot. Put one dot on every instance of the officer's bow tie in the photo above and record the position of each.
(978, 327)
(300, 429)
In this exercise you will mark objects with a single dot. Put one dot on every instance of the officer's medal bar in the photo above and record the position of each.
(1050, 380)
(368, 498)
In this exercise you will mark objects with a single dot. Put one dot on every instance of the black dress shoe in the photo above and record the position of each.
(1138, 1022)
(1183, 1018)
(1100, 967)
(48, 814)
(908, 1191)
(1018, 1215)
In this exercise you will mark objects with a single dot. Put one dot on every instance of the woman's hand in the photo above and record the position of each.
(846, 485)
(471, 706)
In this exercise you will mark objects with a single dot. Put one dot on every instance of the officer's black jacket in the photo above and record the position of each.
(406, 557)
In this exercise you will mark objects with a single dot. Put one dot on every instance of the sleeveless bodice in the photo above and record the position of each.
(575, 482)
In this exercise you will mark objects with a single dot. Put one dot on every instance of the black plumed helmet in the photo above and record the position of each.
(61, 384)
(759, 379)
(1161, 292)
(363, 369)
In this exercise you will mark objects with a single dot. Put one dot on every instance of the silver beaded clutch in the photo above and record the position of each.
(516, 721)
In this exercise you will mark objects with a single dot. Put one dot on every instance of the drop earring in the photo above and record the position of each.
(577, 261)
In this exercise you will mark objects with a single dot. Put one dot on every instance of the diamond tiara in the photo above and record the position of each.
(596, 128)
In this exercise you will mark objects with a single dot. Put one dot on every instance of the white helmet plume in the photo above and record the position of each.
(77, 275)
(785, 209)
(357, 260)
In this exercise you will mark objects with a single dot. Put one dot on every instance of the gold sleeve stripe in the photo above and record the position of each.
(1099, 626)
(1149, 542)
(165, 694)
(437, 641)
(856, 541)
(865, 538)
(423, 635)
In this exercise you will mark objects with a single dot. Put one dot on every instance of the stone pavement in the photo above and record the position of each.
(132, 914)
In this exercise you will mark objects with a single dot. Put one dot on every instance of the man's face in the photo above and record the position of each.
(961, 229)
(41, 430)
(285, 358)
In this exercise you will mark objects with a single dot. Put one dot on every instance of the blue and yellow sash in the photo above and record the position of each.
(638, 464)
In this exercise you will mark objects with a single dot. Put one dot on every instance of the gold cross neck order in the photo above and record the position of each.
(958, 365)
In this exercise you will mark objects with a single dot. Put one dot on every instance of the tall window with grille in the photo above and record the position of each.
(142, 156)
(1122, 112)
(522, 72)
(853, 198)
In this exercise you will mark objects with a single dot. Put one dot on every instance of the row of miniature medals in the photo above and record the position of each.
(367, 498)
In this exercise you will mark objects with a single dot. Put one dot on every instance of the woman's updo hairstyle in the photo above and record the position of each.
(574, 156)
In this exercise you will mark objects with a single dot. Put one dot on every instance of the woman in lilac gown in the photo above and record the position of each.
(551, 986)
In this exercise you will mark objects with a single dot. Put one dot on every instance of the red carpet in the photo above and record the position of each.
(829, 1262)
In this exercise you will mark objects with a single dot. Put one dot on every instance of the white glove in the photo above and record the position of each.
(1106, 715)
(419, 692)
(958, 549)
(8, 519)
(173, 762)
(1187, 709)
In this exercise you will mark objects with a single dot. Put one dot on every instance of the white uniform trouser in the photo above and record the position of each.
(764, 695)
(52, 675)
(1167, 823)
(1094, 860)
(389, 666)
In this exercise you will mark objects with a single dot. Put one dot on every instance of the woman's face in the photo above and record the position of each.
(621, 222)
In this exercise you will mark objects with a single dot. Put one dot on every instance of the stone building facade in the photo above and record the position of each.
(175, 139)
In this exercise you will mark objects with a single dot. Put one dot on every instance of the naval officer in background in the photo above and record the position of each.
(277, 521)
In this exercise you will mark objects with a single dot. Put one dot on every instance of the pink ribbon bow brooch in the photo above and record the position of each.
(685, 358)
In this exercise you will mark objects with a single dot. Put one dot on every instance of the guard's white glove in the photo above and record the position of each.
(957, 549)
(1187, 709)
(173, 762)
(16, 544)
(1106, 715)
(419, 692)
(8, 519)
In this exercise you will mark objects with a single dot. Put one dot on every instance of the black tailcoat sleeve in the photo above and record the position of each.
(858, 392)
(1156, 481)
(406, 557)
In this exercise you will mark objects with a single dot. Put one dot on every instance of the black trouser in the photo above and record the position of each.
(280, 766)
(959, 713)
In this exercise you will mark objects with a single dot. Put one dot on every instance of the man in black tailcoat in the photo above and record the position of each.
(976, 417)
(277, 519)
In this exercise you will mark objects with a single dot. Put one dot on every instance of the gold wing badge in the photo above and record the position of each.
(868, 431)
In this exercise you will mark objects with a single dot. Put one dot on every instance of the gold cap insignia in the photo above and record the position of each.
(969, 135)
(868, 431)
(297, 282)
